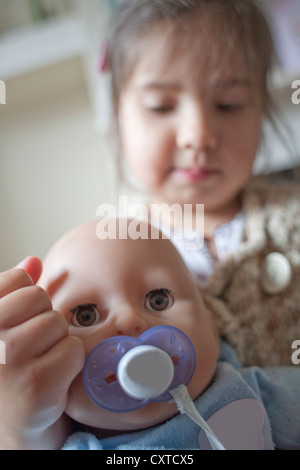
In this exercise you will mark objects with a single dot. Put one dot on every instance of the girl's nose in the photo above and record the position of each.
(197, 130)
(130, 322)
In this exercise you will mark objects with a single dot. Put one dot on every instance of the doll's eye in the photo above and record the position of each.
(158, 300)
(85, 315)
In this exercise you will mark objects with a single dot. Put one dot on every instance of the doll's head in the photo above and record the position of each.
(124, 287)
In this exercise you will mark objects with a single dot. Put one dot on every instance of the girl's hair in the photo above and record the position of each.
(239, 25)
(234, 30)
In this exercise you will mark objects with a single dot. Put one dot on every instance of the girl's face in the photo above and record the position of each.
(188, 134)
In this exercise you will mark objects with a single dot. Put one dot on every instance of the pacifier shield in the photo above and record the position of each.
(120, 376)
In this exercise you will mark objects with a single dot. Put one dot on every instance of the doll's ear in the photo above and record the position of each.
(33, 266)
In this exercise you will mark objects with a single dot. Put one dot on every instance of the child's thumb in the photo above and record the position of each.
(33, 266)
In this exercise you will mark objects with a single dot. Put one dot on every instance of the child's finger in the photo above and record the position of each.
(23, 304)
(34, 337)
(33, 266)
(41, 384)
(53, 372)
(13, 280)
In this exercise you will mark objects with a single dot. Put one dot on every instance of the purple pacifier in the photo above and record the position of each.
(124, 373)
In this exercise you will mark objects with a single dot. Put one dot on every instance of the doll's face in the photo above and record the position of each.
(124, 287)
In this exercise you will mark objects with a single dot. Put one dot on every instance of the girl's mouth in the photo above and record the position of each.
(195, 174)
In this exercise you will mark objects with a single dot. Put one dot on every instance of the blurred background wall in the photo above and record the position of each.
(57, 162)
(56, 166)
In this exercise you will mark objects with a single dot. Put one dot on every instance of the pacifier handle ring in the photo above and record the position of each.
(133, 372)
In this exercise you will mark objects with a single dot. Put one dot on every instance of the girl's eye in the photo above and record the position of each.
(162, 109)
(85, 315)
(158, 300)
(228, 107)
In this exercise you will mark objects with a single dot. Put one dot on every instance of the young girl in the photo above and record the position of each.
(190, 92)
(190, 88)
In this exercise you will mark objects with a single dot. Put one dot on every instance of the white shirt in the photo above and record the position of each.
(227, 238)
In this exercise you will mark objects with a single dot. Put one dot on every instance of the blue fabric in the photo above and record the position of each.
(277, 389)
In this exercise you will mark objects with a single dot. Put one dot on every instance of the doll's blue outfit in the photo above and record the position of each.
(247, 408)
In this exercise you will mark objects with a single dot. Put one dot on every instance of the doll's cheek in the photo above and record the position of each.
(77, 398)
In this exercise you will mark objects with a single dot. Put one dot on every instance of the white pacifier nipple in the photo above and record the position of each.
(145, 372)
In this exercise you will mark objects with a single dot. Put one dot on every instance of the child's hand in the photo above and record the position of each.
(41, 362)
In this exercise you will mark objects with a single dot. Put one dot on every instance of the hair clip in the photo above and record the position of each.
(103, 57)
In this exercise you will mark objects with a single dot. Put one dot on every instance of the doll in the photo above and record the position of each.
(117, 291)
(113, 342)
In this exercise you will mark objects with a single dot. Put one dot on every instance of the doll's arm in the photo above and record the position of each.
(41, 362)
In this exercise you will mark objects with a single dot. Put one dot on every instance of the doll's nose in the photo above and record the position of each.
(130, 322)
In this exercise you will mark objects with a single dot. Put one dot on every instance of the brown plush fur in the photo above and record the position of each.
(260, 326)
